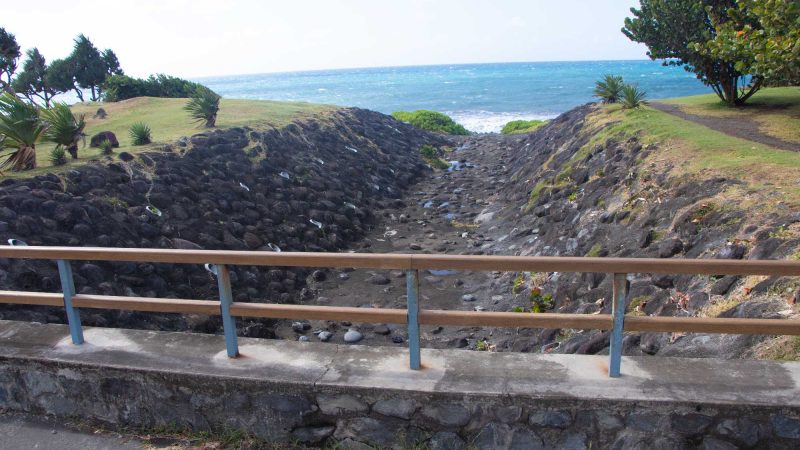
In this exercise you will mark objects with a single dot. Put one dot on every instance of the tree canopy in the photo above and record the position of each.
(90, 68)
(32, 81)
(9, 54)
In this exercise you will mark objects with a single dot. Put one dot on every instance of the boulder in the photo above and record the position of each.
(102, 136)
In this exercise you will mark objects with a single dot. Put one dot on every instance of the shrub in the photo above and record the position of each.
(20, 130)
(122, 87)
(632, 97)
(106, 147)
(58, 157)
(64, 128)
(609, 89)
(431, 121)
(430, 155)
(522, 126)
(140, 134)
(203, 107)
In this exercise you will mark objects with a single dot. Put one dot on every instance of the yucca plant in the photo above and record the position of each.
(140, 133)
(58, 157)
(203, 107)
(20, 129)
(632, 97)
(609, 89)
(106, 147)
(64, 128)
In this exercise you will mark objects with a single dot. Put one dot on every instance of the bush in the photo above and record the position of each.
(430, 155)
(632, 97)
(58, 157)
(106, 147)
(430, 121)
(522, 126)
(609, 89)
(203, 107)
(122, 87)
(140, 134)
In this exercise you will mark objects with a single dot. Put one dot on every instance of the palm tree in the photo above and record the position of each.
(64, 129)
(20, 129)
(203, 107)
(609, 89)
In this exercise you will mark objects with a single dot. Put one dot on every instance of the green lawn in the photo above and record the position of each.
(168, 122)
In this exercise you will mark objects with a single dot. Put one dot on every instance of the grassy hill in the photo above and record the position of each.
(169, 121)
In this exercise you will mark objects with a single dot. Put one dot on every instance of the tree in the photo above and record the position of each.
(60, 77)
(90, 68)
(20, 131)
(763, 37)
(203, 107)
(9, 54)
(31, 82)
(671, 29)
(64, 129)
(111, 62)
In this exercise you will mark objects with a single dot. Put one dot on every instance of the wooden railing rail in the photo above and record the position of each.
(413, 316)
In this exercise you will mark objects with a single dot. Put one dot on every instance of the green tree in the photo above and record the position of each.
(762, 37)
(672, 29)
(9, 54)
(203, 107)
(111, 62)
(64, 129)
(89, 66)
(60, 77)
(31, 82)
(20, 131)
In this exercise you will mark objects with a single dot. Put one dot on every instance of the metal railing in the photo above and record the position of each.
(412, 316)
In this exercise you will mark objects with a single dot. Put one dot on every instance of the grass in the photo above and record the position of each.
(522, 126)
(169, 122)
(781, 348)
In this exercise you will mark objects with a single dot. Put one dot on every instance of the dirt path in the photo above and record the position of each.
(733, 126)
(445, 212)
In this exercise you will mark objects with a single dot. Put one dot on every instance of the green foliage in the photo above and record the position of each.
(9, 54)
(762, 37)
(573, 196)
(58, 157)
(431, 121)
(203, 107)
(20, 130)
(111, 62)
(140, 133)
(632, 97)
(430, 155)
(594, 252)
(482, 345)
(63, 128)
(106, 147)
(60, 77)
(673, 30)
(31, 82)
(122, 87)
(518, 309)
(519, 281)
(539, 302)
(90, 69)
(522, 126)
(609, 89)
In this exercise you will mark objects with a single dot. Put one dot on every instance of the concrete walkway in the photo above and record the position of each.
(535, 376)
(27, 432)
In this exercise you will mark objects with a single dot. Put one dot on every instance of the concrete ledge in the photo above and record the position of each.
(145, 378)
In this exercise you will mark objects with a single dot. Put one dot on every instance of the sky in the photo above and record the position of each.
(195, 38)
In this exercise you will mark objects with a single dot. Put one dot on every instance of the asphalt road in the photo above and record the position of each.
(26, 432)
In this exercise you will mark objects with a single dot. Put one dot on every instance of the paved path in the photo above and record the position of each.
(26, 432)
(738, 127)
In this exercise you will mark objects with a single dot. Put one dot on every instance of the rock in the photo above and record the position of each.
(312, 435)
(302, 338)
(500, 436)
(334, 405)
(449, 415)
(732, 251)
(446, 440)
(415, 246)
(396, 407)
(324, 336)
(184, 244)
(550, 419)
(100, 114)
(318, 275)
(670, 247)
(573, 441)
(102, 136)
(379, 280)
(508, 414)
(92, 273)
(252, 241)
(468, 297)
(712, 443)
(649, 423)
(397, 339)
(125, 156)
(300, 327)
(352, 336)
(723, 285)
(381, 329)
(742, 429)
(786, 427)
(690, 424)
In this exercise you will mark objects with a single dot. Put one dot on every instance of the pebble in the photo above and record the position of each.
(344, 276)
(300, 327)
(468, 297)
(352, 336)
(397, 339)
(325, 336)
(381, 329)
(415, 246)
(379, 280)
(303, 338)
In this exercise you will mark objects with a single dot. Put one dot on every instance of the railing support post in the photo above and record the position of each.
(620, 294)
(225, 299)
(412, 291)
(68, 288)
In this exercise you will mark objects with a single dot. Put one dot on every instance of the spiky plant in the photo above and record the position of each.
(58, 157)
(20, 129)
(632, 97)
(203, 107)
(140, 133)
(64, 128)
(106, 147)
(609, 89)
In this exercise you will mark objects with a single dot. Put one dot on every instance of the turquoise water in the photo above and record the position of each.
(482, 97)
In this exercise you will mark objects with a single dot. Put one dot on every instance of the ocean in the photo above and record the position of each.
(482, 97)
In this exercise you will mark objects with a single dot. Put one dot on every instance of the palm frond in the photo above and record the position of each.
(632, 97)
(21, 129)
(609, 89)
(64, 128)
(203, 107)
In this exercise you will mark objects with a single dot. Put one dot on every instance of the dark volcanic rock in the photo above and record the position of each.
(102, 136)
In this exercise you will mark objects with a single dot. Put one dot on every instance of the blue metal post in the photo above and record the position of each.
(225, 299)
(68, 288)
(620, 294)
(412, 289)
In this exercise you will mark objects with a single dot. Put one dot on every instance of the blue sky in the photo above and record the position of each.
(192, 38)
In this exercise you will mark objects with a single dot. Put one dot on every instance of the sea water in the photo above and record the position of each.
(482, 97)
